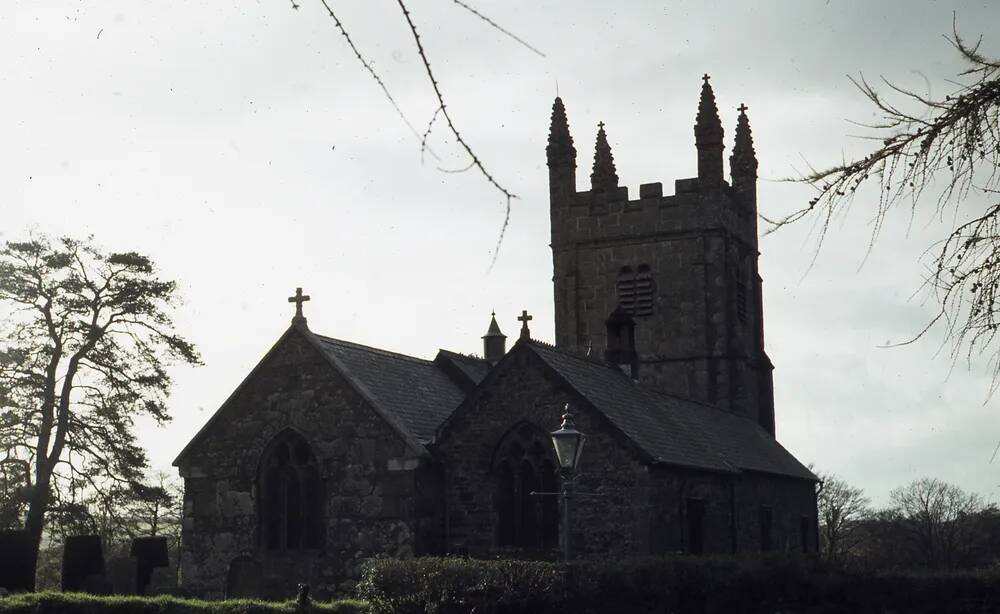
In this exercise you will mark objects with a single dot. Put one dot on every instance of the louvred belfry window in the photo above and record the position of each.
(290, 509)
(635, 290)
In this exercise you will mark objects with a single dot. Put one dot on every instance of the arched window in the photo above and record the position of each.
(524, 463)
(290, 509)
(741, 292)
(635, 290)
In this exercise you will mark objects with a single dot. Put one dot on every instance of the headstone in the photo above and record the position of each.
(148, 552)
(15, 549)
(122, 575)
(83, 556)
(244, 578)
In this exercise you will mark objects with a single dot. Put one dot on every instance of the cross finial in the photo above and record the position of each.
(742, 108)
(705, 77)
(524, 318)
(298, 299)
(600, 125)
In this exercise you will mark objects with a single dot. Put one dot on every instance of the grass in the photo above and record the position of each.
(83, 603)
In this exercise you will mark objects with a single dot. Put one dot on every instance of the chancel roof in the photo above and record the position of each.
(671, 429)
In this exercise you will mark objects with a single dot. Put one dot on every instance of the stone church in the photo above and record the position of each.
(331, 452)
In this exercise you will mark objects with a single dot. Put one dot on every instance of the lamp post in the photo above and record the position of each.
(568, 443)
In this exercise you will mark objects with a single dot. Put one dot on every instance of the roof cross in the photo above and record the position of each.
(742, 108)
(524, 318)
(298, 299)
(600, 125)
(705, 77)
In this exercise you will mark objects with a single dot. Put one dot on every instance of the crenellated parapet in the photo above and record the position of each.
(697, 204)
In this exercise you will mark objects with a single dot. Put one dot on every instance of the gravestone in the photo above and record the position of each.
(122, 573)
(148, 552)
(244, 578)
(83, 563)
(15, 550)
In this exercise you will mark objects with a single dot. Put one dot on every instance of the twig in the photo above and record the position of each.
(458, 137)
(497, 26)
(378, 79)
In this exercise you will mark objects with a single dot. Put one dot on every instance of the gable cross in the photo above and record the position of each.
(298, 299)
(524, 318)
(705, 77)
(742, 108)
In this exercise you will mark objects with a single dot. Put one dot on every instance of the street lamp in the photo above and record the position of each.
(568, 443)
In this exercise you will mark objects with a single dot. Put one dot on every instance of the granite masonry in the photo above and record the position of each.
(331, 452)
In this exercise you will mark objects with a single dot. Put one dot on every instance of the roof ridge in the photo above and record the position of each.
(461, 355)
(373, 350)
(594, 360)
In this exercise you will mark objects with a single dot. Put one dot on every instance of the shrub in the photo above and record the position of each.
(81, 603)
(678, 585)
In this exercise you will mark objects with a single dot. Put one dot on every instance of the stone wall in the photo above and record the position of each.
(370, 479)
(613, 524)
(633, 508)
(696, 243)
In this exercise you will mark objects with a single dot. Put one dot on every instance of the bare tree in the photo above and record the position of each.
(83, 352)
(934, 153)
(841, 508)
(940, 519)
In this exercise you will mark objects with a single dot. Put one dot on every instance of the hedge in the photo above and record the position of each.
(82, 603)
(678, 585)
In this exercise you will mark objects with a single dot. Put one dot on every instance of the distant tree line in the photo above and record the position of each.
(927, 524)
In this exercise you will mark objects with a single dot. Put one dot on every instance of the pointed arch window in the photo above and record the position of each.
(741, 292)
(524, 463)
(635, 290)
(290, 508)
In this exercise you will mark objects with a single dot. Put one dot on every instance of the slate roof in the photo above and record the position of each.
(472, 368)
(670, 429)
(414, 391)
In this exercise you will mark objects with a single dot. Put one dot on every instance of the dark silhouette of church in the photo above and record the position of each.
(331, 452)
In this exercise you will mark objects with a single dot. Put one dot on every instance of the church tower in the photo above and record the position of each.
(683, 267)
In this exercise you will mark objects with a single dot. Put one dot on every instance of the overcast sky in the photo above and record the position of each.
(243, 147)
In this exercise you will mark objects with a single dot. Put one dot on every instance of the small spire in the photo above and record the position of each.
(604, 177)
(494, 329)
(708, 137)
(743, 162)
(708, 126)
(560, 148)
(494, 341)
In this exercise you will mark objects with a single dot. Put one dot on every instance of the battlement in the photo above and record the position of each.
(600, 215)
(699, 204)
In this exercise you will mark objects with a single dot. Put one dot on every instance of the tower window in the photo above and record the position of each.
(741, 293)
(635, 290)
(290, 513)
